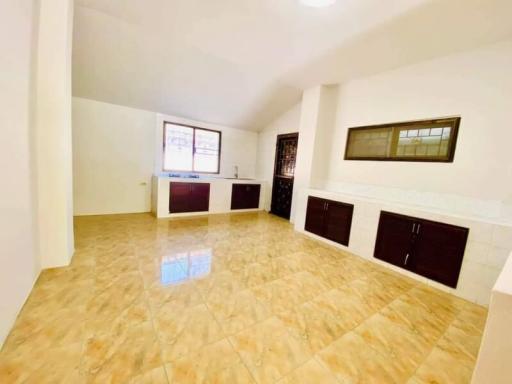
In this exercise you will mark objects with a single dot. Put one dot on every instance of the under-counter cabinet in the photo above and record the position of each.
(428, 248)
(329, 219)
(245, 196)
(189, 197)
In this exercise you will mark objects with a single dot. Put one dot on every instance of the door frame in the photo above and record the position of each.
(278, 137)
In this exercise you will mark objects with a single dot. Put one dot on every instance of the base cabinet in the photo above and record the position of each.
(189, 197)
(329, 219)
(245, 196)
(428, 248)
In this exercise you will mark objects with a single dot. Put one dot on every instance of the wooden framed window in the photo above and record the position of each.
(191, 149)
(423, 140)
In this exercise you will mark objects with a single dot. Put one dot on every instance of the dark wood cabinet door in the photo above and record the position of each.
(179, 196)
(315, 215)
(189, 197)
(200, 197)
(439, 250)
(245, 196)
(338, 221)
(394, 242)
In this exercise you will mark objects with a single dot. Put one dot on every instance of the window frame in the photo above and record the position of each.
(194, 128)
(452, 122)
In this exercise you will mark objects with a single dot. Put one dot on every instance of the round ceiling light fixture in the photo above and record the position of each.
(318, 3)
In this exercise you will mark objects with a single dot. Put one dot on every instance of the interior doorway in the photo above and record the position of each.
(284, 172)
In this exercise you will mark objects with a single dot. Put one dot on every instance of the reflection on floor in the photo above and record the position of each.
(232, 299)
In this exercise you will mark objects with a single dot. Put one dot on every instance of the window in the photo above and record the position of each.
(425, 140)
(191, 149)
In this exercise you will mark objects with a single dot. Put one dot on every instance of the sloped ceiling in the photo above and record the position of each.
(241, 63)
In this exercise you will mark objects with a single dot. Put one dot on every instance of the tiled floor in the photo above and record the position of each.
(232, 299)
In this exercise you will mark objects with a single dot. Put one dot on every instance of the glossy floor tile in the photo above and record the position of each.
(238, 298)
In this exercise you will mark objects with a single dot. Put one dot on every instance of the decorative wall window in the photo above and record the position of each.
(191, 149)
(424, 140)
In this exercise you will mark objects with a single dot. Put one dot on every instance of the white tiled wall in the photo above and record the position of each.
(488, 246)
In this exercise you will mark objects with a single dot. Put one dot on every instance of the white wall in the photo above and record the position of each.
(493, 363)
(53, 133)
(19, 266)
(288, 122)
(116, 150)
(476, 85)
(113, 156)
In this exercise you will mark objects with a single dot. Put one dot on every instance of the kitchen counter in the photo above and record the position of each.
(220, 194)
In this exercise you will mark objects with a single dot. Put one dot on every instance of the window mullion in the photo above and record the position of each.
(193, 149)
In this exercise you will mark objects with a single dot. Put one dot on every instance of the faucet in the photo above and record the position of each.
(236, 171)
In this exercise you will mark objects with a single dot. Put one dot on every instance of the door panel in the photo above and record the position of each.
(245, 196)
(439, 250)
(179, 196)
(284, 170)
(253, 198)
(200, 197)
(395, 239)
(282, 193)
(315, 216)
(338, 221)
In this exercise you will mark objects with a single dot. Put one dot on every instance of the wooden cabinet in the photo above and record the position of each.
(189, 197)
(428, 248)
(329, 219)
(245, 196)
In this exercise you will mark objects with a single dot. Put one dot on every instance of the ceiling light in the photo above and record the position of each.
(318, 3)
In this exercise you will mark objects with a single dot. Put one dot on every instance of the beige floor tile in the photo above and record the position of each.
(461, 344)
(43, 365)
(311, 372)
(352, 360)
(442, 367)
(238, 311)
(116, 358)
(185, 330)
(405, 348)
(279, 295)
(416, 318)
(314, 323)
(47, 330)
(214, 363)
(270, 351)
(153, 376)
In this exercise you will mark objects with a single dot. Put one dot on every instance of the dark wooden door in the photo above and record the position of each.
(284, 170)
(395, 239)
(245, 196)
(189, 197)
(438, 251)
(338, 221)
(315, 216)
(200, 197)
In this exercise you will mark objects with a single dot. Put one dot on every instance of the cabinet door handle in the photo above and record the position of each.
(326, 206)
(406, 259)
(413, 227)
(418, 229)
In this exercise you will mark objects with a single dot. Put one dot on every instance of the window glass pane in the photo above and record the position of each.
(206, 157)
(178, 148)
(369, 144)
(428, 140)
(426, 144)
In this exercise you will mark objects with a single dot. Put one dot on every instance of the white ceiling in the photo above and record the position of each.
(242, 62)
